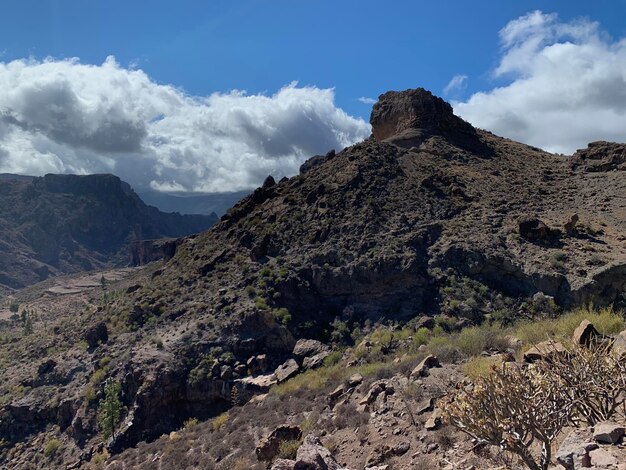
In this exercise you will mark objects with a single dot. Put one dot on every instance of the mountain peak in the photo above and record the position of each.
(406, 118)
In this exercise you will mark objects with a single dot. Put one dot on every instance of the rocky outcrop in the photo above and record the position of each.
(146, 251)
(600, 157)
(408, 118)
(269, 445)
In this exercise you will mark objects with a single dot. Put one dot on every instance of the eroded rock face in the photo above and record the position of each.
(406, 118)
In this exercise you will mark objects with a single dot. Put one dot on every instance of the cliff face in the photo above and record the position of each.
(68, 223)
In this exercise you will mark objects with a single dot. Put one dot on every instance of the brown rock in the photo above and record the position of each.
(96, 334)
(533, 229)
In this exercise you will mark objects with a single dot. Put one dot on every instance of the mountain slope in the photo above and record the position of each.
(427, 216)
(66, 223)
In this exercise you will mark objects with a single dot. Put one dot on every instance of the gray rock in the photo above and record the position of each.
(287, 370)
(268, 447)
(312, 455)
(429, 362)
(283, 464)
(355, 379)
(574, 451)
(608, 432)
(308, 347)
(315, 361)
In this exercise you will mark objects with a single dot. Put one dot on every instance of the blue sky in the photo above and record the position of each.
(361, 48)
(146, 89)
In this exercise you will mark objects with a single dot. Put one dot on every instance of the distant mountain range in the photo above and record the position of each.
(67, 223)
(205, 204)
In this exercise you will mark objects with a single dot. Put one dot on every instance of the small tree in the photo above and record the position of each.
(110, 409)
(513, 407)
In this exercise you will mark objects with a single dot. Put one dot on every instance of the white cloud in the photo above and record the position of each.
(66, 117)
(457, 83)
(567, 85)
(366, 100)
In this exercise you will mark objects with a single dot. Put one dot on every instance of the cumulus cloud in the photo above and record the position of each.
(62, 116)
(457, 83)
(566, 85)
(366, 100)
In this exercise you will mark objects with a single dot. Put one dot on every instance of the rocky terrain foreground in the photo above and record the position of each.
(60, 224)
(377, 254)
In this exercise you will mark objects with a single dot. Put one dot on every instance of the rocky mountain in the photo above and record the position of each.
(66, 223)
(430, 223)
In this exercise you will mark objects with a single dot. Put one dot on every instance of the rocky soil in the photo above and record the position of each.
(429, 217)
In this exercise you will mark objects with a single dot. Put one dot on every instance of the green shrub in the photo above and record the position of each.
(333, 358)
(281, 315)
(219, 421)
(288, 449)
(51, 448)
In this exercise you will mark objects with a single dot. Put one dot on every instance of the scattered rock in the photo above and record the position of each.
(314, 361)
(429, 362)
(434, 421)
(287, 370)
(308, 347)
(602, 458)
(574, 451)
(312, 455)
(355, 379)
(585, 333)
(283, 464)
(340, 390)
(426, 406)
(533, 229)
(268, 447)
(608, 432)
(570, 225)
(544, 350)
(96, 334)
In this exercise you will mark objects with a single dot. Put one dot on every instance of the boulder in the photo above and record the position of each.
(619, 344)
(608, 432)
(287, 370)
(574, 451)
(602, 458)
(427, 363)
(312, 455)
(544, 351)
(355, 379)
(434, 421)
(585, 333)
(96, 334)
(283, 464)
(533, 229)
(308, 347)
(376, 389)
(268, 447)
(313, 362)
